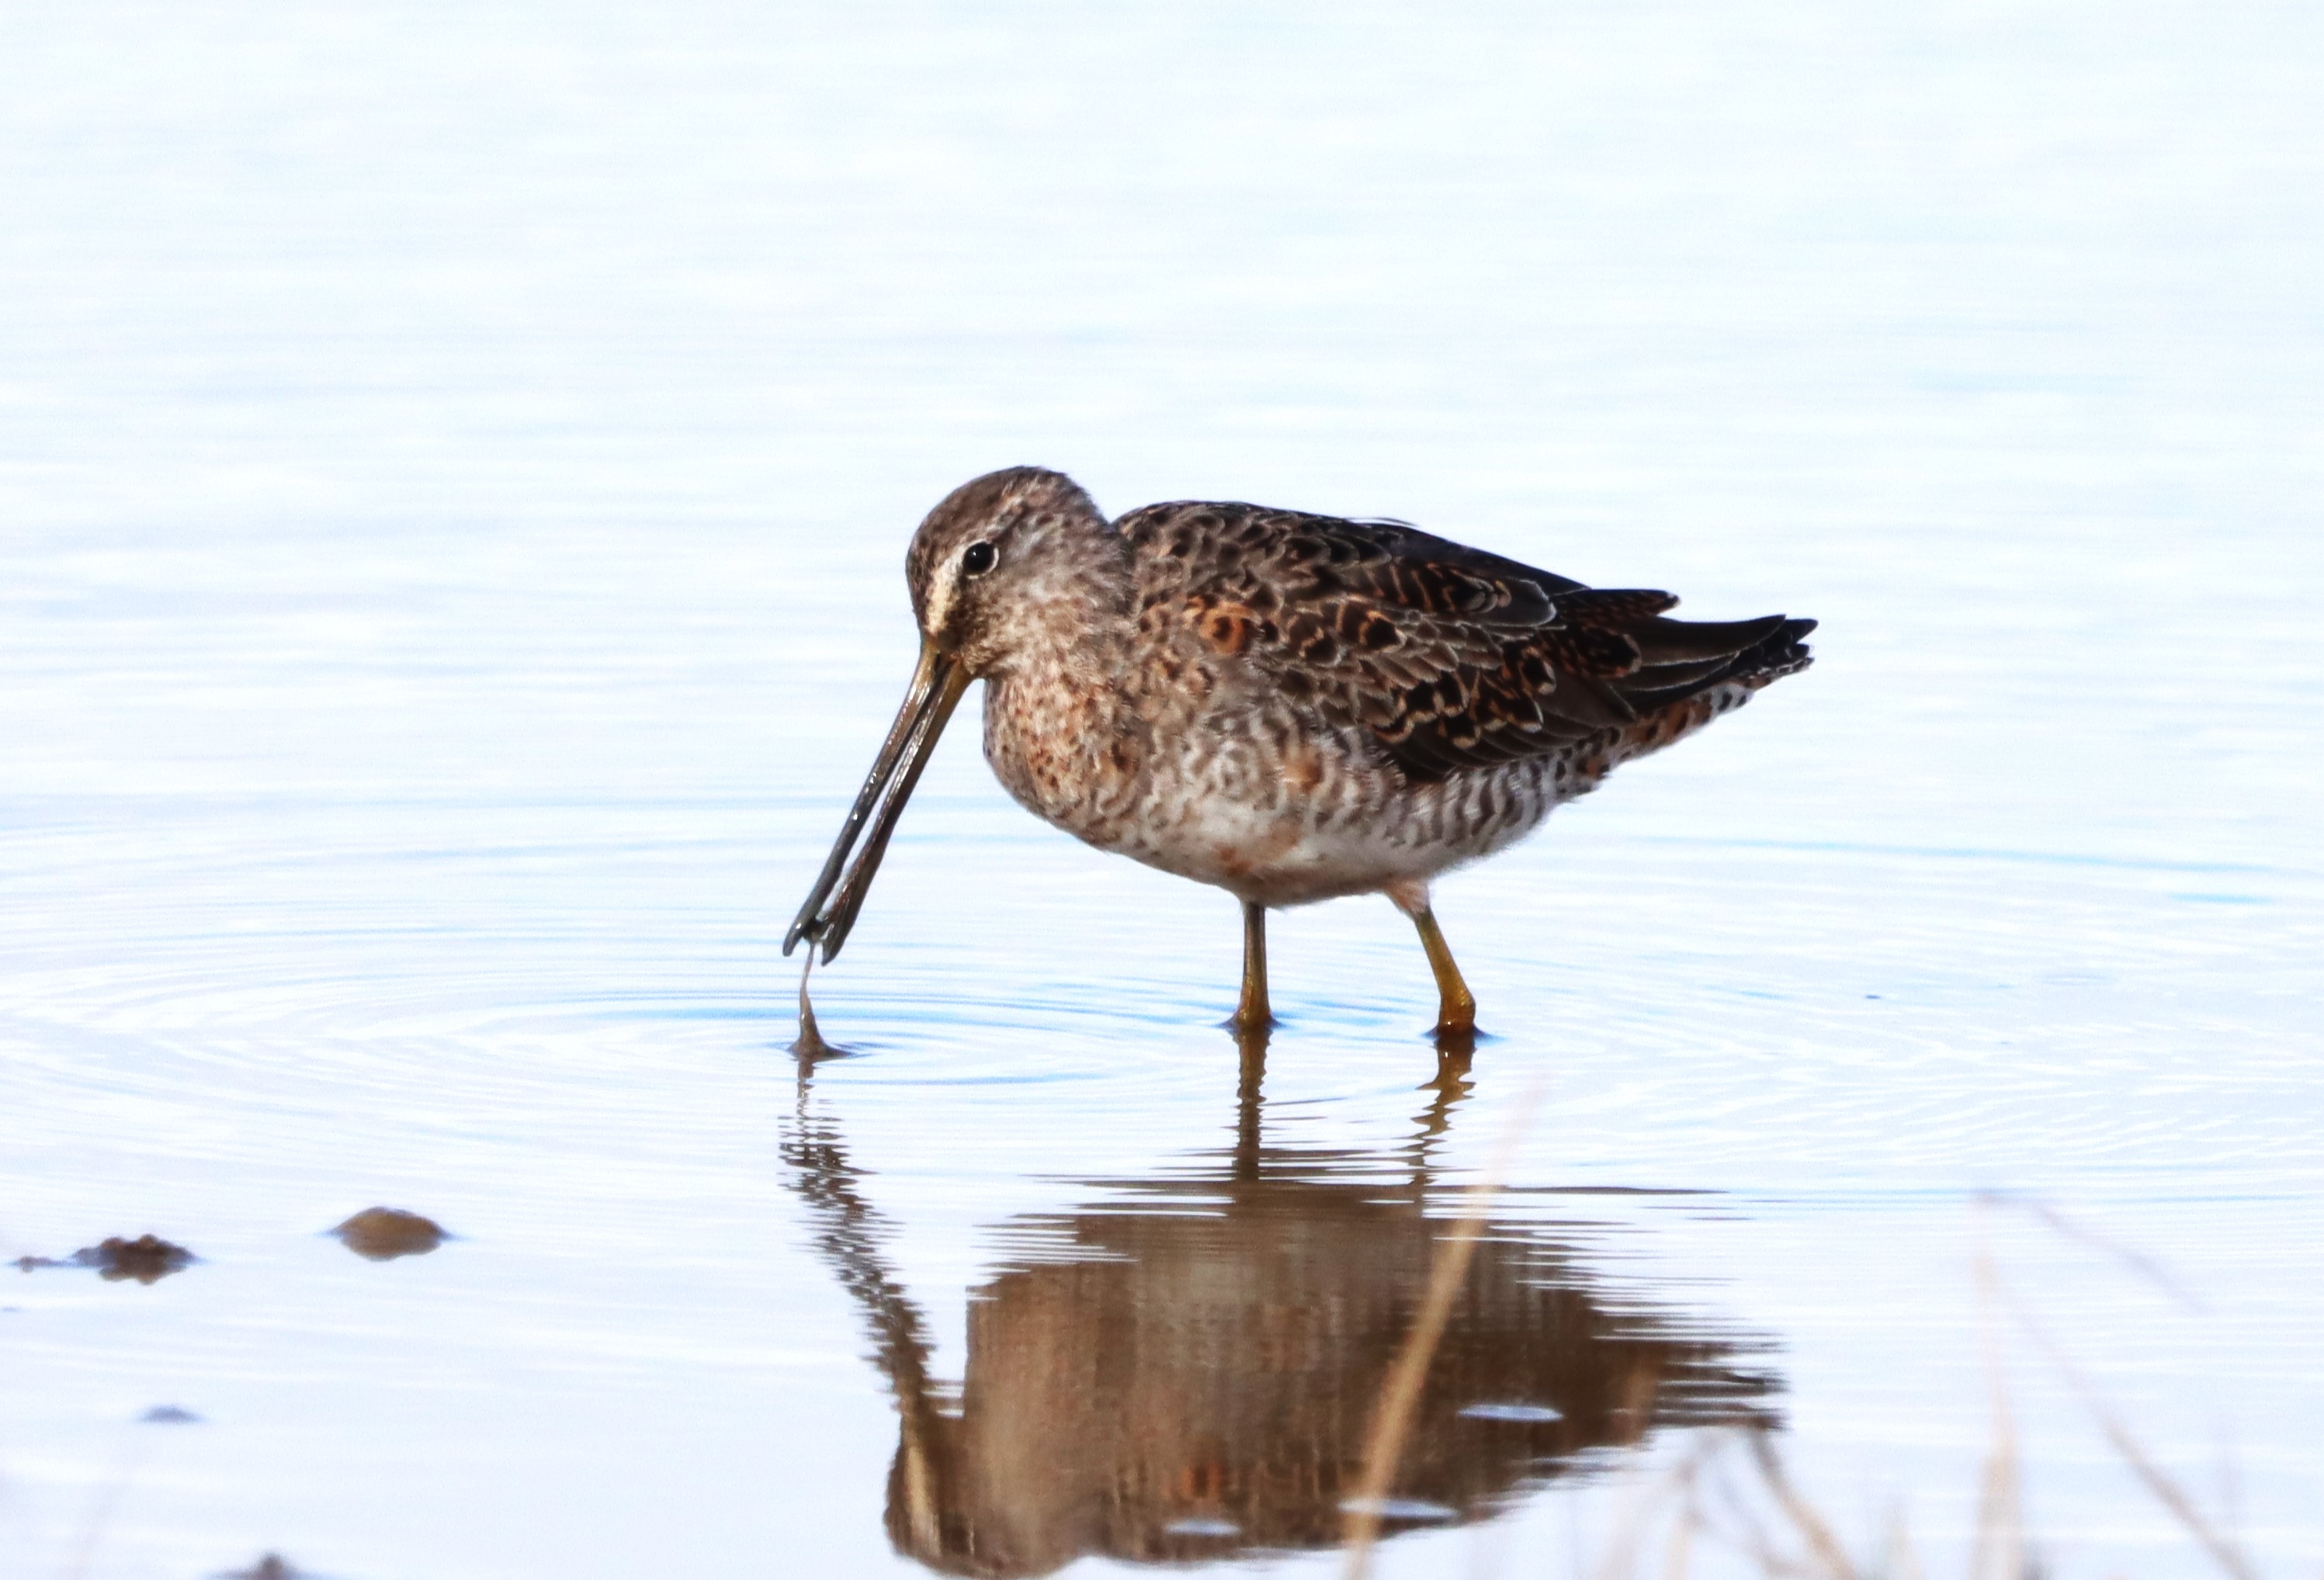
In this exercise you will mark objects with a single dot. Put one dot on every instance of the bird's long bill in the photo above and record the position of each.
(937, 687)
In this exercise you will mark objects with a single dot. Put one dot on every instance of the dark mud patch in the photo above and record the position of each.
(148, 1258)
(272, 1567)
(383, 1233)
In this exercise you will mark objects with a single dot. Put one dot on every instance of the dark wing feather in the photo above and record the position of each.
(1452, 657)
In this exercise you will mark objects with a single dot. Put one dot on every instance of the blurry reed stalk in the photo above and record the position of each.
(1678, 1553)
(1996, 1295)
(1734, 1520)
(1813, 1528)
(1679, 1490)
(2000, 1551)
(1408, 1373)
(100, 1515)
(1903, 1563)
(2167, 1492)
(1755, 1517)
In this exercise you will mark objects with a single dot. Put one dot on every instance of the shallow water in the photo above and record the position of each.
(453, 478)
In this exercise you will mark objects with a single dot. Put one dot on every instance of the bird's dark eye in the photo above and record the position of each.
(981, 557)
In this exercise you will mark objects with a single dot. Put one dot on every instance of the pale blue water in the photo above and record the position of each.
(453, 475)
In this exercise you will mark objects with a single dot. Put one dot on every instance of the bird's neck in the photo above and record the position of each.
(1074, 624)
(1060, 731)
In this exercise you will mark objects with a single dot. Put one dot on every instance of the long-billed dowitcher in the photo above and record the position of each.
(1291, 707)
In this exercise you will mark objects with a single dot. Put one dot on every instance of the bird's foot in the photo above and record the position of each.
(1456, 1035)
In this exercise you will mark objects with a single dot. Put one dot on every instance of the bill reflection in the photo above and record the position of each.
(1186, 1367)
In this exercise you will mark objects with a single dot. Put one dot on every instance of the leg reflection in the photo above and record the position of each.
(1450, 1086)
(1251, 1040)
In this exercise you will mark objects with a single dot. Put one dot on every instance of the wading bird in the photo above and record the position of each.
(1290, 707)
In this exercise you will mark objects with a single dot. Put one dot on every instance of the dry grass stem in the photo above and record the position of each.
(101, 1513)
(1706, 1499)
(1829, 1555)
(1678, 1557)
(1903, 1563)
(1635, 1518)
(1682, 1488)
(2147, 1267)
(1745, 1532)
(2166, 1490)
(1408, 1373)
(2000, 1551)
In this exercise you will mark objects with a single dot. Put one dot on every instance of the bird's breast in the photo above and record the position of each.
(1065, 748)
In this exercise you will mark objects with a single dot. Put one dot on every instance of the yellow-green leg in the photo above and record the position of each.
(1252, 1013)
(1456, 1007)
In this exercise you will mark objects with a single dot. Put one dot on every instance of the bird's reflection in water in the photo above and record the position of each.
(1187, 1368)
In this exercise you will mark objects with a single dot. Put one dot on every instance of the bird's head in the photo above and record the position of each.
(1002, 561)
(1007, 562)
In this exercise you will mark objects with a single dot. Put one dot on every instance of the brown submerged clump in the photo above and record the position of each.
(383, 1233)
(148, 1259)
(270, 1567)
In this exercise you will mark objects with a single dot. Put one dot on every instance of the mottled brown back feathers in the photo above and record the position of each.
(1450, 656)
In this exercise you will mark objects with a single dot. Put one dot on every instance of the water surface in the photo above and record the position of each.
(453, 475)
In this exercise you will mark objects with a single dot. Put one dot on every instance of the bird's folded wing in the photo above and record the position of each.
(1450, 656)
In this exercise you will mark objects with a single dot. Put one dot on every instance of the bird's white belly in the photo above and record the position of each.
(1280, 827)
(1294, 852)
(1274, 856)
